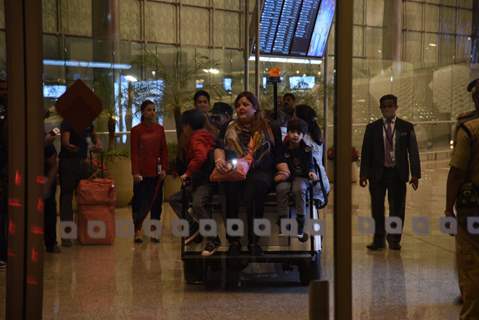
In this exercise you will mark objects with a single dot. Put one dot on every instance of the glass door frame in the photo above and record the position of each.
(24, 294)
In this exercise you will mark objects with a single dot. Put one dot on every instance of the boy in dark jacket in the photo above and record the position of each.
(200, 143)
(295, 170)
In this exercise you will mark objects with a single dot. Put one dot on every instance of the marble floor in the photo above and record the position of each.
(127, 281)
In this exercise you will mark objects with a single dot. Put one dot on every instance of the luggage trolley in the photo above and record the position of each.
(220, 268)
(286, 250)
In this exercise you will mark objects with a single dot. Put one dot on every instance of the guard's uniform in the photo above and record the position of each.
(465, 157)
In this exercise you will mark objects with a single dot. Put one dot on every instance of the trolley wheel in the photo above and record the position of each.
(214, 275)
(193, 271)
(310, 269)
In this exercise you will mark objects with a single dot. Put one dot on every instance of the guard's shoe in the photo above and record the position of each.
(375, 246)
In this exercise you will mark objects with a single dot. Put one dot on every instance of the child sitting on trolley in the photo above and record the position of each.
(296, 171)
(196, 177)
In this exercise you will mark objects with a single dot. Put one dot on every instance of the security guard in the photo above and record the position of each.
(463, 193)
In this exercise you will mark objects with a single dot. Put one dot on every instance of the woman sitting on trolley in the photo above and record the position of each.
(249, 134)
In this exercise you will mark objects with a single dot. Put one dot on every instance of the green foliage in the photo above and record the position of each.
(178, 79)
(172, 150)
(118, 152)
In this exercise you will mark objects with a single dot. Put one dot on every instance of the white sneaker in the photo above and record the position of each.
(210, 249)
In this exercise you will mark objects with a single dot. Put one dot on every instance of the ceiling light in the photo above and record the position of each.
(212, 70)
(86, 64)
(131, 78)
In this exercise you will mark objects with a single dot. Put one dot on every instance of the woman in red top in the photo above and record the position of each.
(149, 162)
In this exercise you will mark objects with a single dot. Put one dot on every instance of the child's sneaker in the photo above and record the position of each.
(302, 236)
(210, 249)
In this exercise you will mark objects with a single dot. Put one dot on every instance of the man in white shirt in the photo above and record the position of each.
(389, 154)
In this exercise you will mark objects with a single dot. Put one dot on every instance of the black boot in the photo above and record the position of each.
(377, 244)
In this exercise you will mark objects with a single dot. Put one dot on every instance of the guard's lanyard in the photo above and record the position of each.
(391, 138)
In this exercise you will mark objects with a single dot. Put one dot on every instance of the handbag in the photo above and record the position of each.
(237, 173)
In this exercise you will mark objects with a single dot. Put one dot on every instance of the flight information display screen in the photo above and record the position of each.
(269, 23)
(325, 18)
(296, 27)
(304, 28)
(286, 26)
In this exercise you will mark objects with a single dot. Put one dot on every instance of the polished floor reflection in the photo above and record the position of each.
(127, 281)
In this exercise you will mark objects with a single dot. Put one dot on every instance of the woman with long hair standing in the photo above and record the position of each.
(313, 139)
(149, 162)
(248, 135)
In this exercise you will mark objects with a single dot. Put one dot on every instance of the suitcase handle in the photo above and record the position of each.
(102, 165)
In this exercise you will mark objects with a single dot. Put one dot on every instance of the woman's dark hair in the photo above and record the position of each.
(200, 93)
(194, 118)
(306, 113)
(259, 121)
(251, 97)
(143, 105)
(289, 94)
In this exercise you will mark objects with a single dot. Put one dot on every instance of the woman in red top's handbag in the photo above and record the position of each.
(252, 139)
(149, 162)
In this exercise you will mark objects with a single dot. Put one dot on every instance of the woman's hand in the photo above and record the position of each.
(222, 166)
(162, 174)
(313, 176)
(137, 178)
(185, 179)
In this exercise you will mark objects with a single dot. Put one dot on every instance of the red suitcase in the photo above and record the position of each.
(96, 200)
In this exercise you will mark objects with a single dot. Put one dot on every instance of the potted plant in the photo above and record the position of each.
(118, 167)
(331, 155)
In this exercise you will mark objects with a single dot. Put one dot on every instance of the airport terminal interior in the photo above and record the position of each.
(424, 52)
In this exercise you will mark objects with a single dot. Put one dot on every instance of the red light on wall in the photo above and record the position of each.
(40, 205)
(37, 230)
(11, 227)
(18, 178)
(14, 203)
(31, 280)
(35, 255)
(41, 180)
